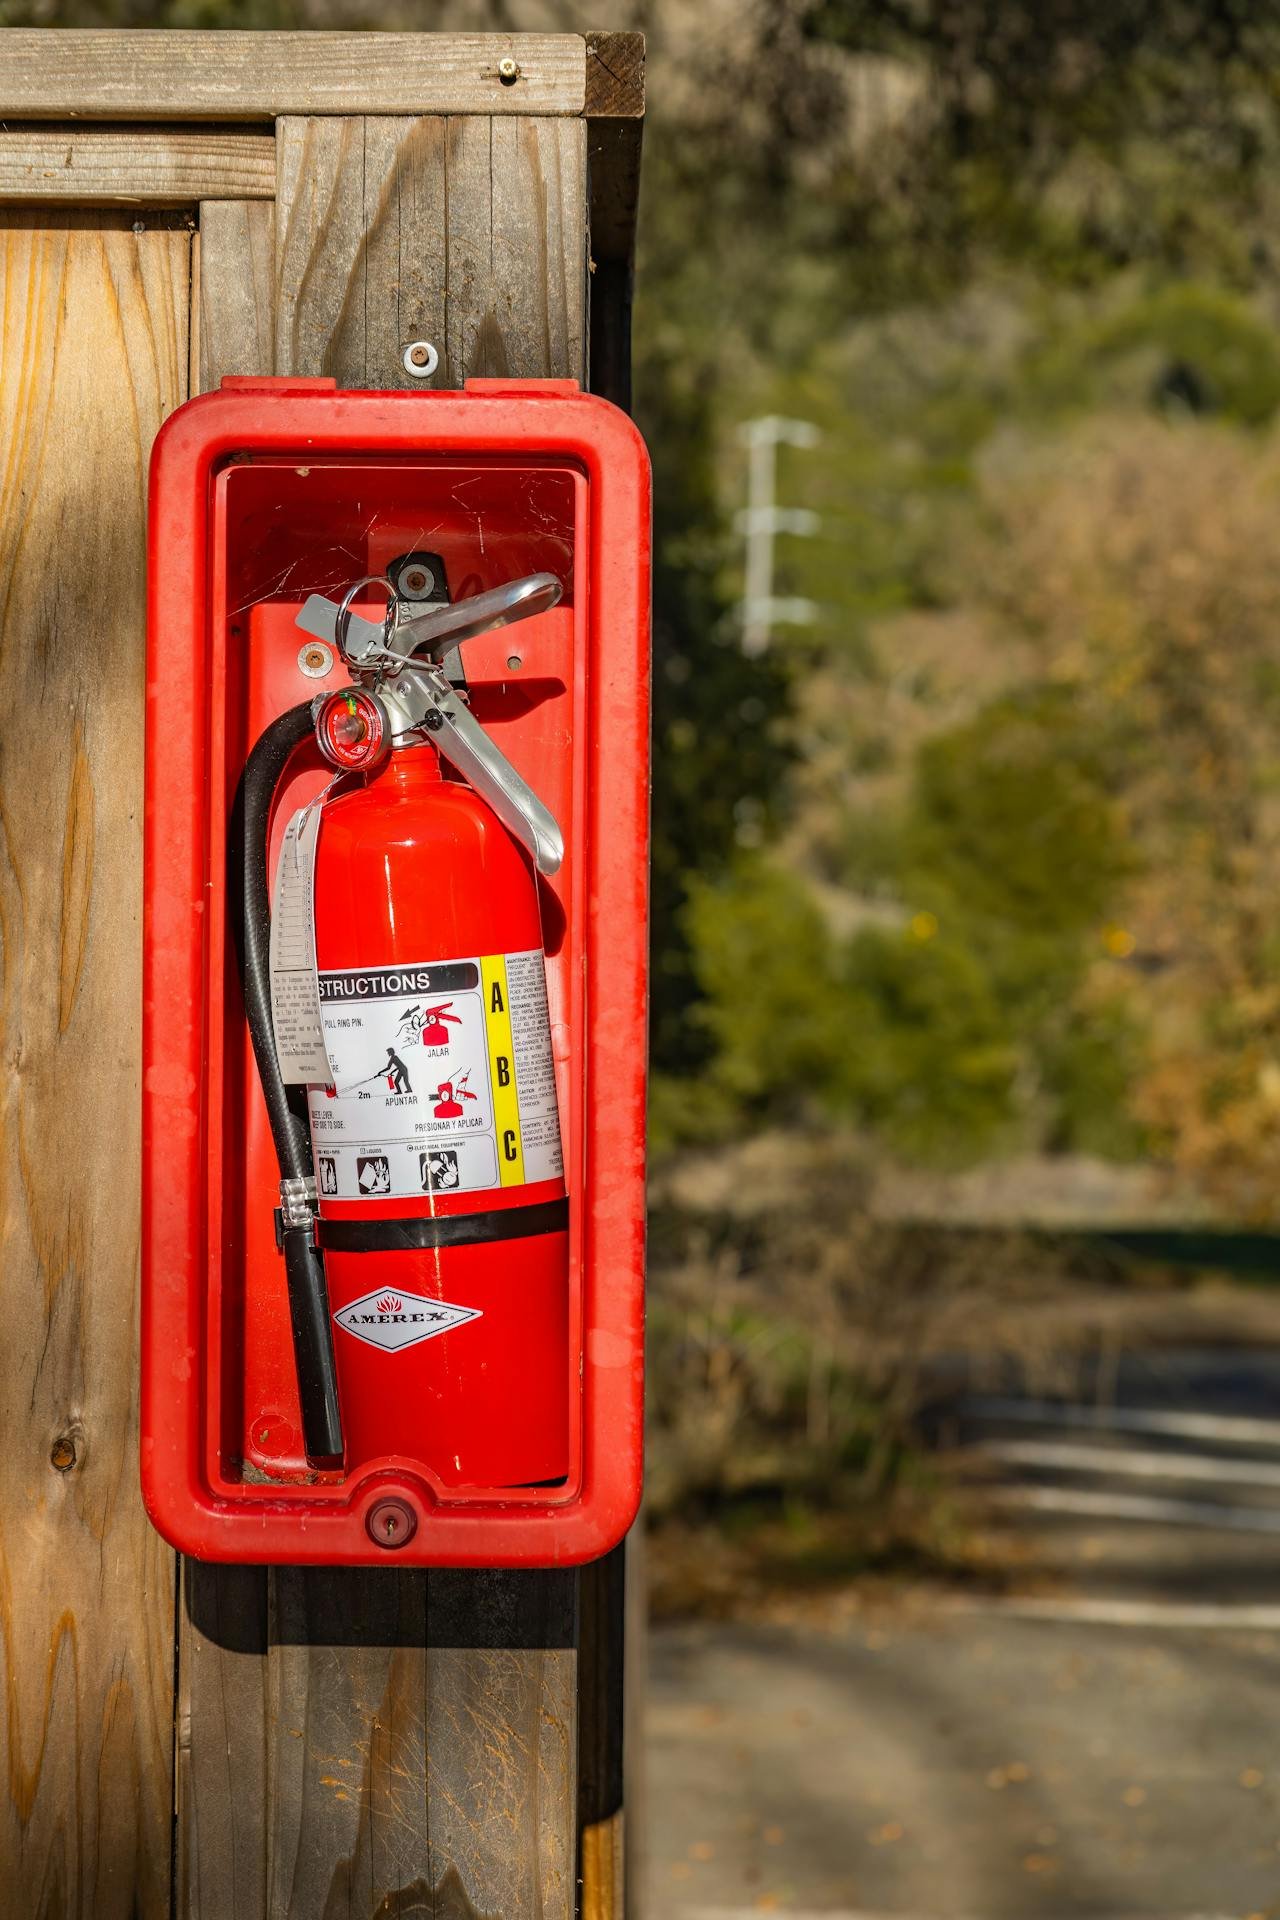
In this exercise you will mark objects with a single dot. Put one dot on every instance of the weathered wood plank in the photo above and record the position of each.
(615, 110)
(601, 1673)
(141, 167)
(361, 240)
(356, 1743)
(95, 355)
(347, 1729)
(394, 230)
(106, 74)
(528, 308)
(235, 324)
(224, 1640)
(615, 76)
(221, 1782)
(502, 1718)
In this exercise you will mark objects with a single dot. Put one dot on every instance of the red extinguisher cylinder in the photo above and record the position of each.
(439, 1174)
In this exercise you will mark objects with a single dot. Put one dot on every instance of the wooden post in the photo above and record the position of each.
(284, 1742)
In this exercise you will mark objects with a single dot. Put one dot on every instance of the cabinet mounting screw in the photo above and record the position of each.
(315, 659)
(421, 359)
(391, 1523)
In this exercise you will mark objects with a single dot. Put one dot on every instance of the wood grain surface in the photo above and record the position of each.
(221, 1786)
(468, 232)
(106, 74)
(615, 75)
(234, 278)
(223, 1782)
(135, 166)
(95, 356)
(356, 1743)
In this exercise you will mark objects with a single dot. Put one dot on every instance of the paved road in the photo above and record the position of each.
(1105, 1745)
(969, 1765)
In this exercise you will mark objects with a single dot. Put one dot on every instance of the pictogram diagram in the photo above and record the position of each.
(439, 1170)
(428, 1026)
(450, 1096)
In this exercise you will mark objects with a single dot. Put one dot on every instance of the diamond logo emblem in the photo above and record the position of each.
(391, 1319)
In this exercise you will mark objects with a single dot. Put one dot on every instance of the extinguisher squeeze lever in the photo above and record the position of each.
(400, 661)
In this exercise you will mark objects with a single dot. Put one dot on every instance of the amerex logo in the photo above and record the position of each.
(394, 1320)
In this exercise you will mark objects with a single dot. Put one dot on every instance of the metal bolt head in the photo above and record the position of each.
(391, 1523)
(315, 659)
(508, 71)
(415, 582)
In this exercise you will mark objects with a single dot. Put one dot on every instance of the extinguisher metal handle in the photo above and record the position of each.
(460, 739)
(402, 659)
(436, 630)
(409, 630)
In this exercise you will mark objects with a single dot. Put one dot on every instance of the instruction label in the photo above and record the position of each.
(439, 1079)
(295, 994)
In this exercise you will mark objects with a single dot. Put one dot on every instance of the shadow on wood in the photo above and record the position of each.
(233, 1607)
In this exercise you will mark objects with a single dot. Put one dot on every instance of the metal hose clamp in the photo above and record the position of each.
(298, 1201)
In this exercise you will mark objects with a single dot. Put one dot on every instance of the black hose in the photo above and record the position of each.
(286, 1106)
(286, 1109)
(313, 1346)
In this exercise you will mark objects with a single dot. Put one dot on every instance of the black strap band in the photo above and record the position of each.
(454, 1230)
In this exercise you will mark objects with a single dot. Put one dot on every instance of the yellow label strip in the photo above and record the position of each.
(502, 1069)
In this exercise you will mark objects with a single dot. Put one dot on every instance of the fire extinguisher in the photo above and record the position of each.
(423, 1213)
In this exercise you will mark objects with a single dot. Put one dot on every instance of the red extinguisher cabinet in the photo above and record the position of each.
(478, 1155)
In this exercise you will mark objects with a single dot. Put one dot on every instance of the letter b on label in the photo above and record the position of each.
(503, 1068)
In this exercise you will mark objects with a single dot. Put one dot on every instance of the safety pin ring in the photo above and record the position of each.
(342, 619)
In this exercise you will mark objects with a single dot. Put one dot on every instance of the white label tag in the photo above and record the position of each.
(295, 990)
(442, 1082)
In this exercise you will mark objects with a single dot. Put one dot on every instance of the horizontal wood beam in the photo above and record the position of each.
(138, 166)
(108, 74)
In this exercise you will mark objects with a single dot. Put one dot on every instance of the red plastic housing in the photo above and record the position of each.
(260, 495)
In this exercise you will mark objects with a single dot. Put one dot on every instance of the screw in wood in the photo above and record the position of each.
(508, 71)
(420, 359)
(62, 1454)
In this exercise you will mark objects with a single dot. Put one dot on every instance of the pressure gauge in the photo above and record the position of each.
(353, 730)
